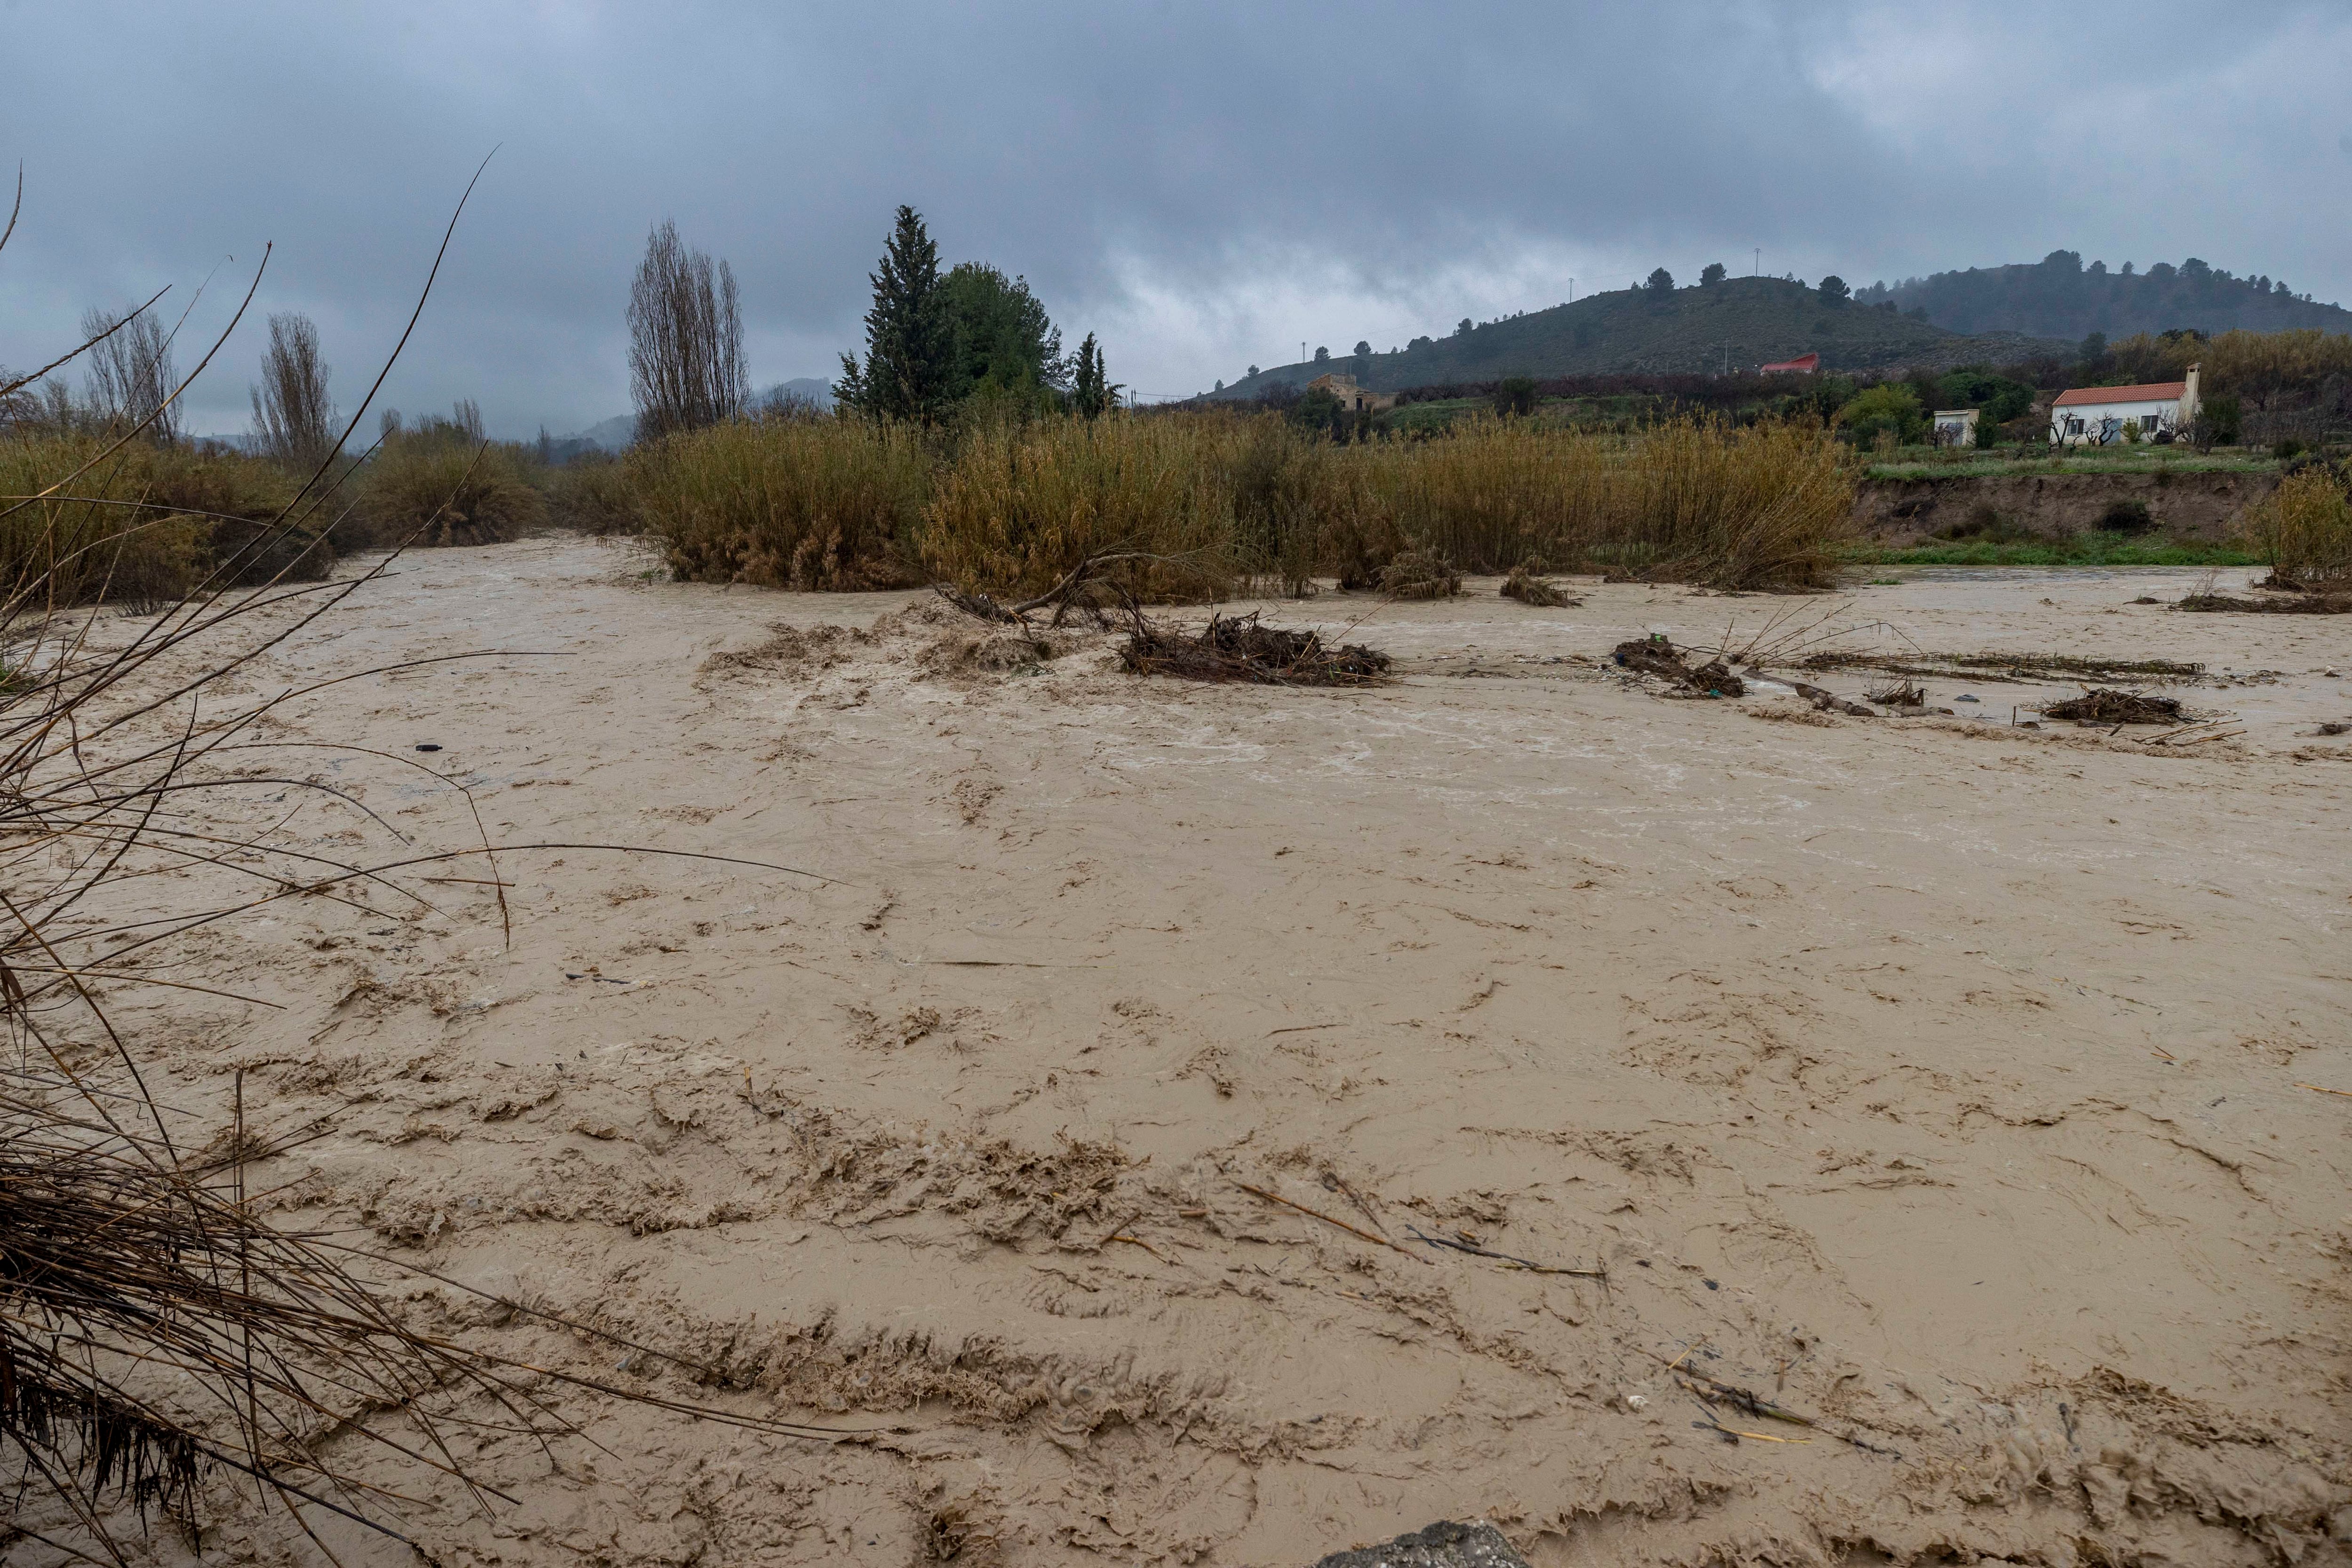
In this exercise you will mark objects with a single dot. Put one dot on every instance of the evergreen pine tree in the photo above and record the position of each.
(910, 349)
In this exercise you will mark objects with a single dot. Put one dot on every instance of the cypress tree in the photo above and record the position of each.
(1089, 392)
(911, 350)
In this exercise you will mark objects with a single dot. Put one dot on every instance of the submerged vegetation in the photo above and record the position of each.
(2303, 533)
(440, 481)
(1188, 503)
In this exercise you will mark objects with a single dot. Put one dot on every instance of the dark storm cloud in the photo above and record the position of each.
(1206, 184)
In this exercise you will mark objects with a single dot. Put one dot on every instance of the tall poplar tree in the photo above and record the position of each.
(910, 340)
(685, 339)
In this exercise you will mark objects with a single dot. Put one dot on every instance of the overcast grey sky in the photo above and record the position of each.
(1205, 184)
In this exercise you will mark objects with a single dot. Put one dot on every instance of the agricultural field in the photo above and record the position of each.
(1163, 1120)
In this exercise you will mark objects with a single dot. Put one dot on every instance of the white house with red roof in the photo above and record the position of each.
(2097, 416)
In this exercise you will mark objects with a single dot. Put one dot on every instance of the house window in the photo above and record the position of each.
(2073, 426)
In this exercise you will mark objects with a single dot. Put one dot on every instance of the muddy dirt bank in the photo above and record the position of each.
(2197, 505)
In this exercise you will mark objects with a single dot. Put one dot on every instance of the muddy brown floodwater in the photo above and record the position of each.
(1937, 1081)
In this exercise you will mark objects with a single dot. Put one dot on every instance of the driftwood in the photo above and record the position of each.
(1827, 700)
(1239, 649)
(2290, 605)
(2104, 705)
(1528, 585)
(1082, 582)
(1655, 656)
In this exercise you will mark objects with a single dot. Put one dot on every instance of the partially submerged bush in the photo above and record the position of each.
(1761, 508)
(1417, 574)
(437, 481)
(595, 494)
(146, 523)
(1024, 506)
(2305, 532)
(785, 503)
(1529, 585)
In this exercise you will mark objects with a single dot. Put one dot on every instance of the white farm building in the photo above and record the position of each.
(2098, 415)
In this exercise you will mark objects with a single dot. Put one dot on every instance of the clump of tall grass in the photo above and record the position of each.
(439, 482)
(1281, 481)
(2305, 532)
(1198, 501)
(1697, 500)
(143, 523)
(1024, 505)
(1490, 493)
(790, 502)
(595, 494)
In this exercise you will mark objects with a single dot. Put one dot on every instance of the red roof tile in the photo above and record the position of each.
(2154, 392)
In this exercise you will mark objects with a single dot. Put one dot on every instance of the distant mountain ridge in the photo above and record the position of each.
(1992, 315)
(1735, 324)
(2059, 297)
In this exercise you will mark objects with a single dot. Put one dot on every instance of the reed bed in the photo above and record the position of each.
(144, 524)
(2305, 532)
(595, 494)
(1196, 502)
(1021, 506)
(1699, 501)
(441, 483)
(790, 502)
(1490, 493)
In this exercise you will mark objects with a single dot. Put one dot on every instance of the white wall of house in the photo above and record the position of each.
(2102, 424)
(1955, 426)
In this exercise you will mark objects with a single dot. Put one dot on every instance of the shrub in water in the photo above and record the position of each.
(790, 503)
(1024, 505)
(438, 482)
(1701, 502)
(594, 493)
(2304, 530)
(144, 525)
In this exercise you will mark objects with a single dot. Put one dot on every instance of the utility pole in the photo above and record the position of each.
(1571, 290)
(1757, 270)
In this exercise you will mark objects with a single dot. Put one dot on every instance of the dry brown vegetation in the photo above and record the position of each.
(440, 481)
(143, 523)
(784, 503)
(1195, 503)
(2256, 366)
(2304, 532)
(165, 1347)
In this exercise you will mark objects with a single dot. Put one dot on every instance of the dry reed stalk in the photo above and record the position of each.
(784, 503)
(154, 1329)
(2305, 532)
(1699, 501)
(1023, 505)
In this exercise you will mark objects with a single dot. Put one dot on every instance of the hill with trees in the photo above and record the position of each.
(2059, 297)
(1658, 329)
